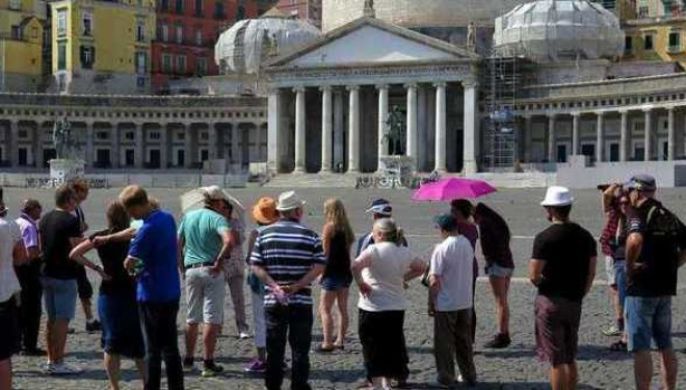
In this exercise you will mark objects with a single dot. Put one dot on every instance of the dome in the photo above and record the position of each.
(248, 43)
(551, 30)
(418, 13)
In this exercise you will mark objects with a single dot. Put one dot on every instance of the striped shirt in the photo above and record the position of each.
(287, 251)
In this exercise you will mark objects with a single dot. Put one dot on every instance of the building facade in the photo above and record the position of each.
(21, 45)
(186, 33)
(101, 46)
(310, 10)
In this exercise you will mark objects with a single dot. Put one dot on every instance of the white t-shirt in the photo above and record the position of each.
(9, 236)
(385, 272)
(453, 261)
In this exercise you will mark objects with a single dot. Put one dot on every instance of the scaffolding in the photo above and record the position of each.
(501, 79)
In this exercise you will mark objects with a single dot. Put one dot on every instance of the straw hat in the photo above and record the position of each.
(264, 211)
(289, 201)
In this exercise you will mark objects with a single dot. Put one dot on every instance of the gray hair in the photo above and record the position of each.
(389, 229)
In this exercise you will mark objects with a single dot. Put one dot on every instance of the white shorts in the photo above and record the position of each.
(610, 271)
(205, 296)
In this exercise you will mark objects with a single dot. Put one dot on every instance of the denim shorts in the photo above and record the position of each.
(648, 319)
(620, 279)
(332, 283)
(493, 270)
(59, 296)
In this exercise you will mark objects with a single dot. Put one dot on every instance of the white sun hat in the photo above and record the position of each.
(289, 201)
(557, 197)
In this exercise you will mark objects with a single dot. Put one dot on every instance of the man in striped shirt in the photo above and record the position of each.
(287, 257)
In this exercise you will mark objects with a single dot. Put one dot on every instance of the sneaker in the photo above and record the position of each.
(211, 369)
(93, 326)
(499, 341)
(256, 366)
(612, 331)
(48, 368)
(244, 335)
(188, 364)
(64, 369)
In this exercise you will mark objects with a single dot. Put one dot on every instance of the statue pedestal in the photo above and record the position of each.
(63, 170)
(400, 167)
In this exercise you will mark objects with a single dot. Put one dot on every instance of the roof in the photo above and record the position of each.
(382, 25)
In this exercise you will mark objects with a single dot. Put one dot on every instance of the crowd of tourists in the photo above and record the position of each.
(145, 257)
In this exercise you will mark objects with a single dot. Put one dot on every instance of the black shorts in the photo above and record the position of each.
(84, 285)
(9, 329)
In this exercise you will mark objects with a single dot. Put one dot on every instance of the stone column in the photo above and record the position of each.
(354, 129)
(212, 143)
(528, 137)
(90, 138)
(116, 153)
(441, 133)
(14, 144)
(327, 129)
(274, 130)
(671, 135)
(600, 137)
(575, 133)
(551, 139)
(38, 145)
(188, 145)
(471, 125)
(139, 148)
(422, 130)
(164, 145)
(338, 128)
(300, 118)
(411, 143)
(381, 128)
(236, 154)
(647, 134)
(624, 137)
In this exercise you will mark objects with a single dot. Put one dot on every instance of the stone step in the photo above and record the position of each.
(306, 180)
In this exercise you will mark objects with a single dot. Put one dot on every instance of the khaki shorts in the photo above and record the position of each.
(205, 296)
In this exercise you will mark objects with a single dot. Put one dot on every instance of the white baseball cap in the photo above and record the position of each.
(557, 197)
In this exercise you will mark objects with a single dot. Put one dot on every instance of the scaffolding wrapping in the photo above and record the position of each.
(552, 30)
(248, 43)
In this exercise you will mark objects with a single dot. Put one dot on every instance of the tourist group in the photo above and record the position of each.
(145, 256)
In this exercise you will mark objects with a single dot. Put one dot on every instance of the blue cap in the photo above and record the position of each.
(445, 222)
(381, 207)
(641, 182)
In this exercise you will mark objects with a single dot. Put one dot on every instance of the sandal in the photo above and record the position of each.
(619, 346)
(323, 349)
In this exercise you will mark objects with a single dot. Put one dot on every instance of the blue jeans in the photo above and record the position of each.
(620, 279)
(292, 323)
(648, 319)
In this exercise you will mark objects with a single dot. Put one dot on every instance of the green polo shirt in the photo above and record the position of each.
(201, 232)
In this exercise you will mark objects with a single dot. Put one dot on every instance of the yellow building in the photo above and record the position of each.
(657, 32)
(21, 45)
(102, 46)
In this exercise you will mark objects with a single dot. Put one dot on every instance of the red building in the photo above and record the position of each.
(310, 10)
(186, 33)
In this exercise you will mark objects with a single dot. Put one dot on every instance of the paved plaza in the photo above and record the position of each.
(512, 368)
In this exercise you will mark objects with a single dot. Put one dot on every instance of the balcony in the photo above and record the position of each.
(42, 100)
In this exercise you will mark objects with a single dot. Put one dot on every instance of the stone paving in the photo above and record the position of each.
(512, 368)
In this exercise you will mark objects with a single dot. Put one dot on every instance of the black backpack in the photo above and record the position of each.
(665, 231)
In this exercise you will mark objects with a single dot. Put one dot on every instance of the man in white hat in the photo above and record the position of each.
(204, 241)
(287, 257)
(562, 267)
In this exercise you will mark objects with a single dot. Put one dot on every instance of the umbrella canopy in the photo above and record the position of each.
(453, 188)
(195, 199)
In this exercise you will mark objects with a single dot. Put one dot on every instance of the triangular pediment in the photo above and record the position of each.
(371, 41)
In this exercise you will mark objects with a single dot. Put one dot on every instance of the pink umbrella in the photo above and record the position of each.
(453, 188)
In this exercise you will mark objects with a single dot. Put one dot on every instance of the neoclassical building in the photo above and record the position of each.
(329, 101)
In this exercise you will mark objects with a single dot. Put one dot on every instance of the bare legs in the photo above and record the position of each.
(210, 333)
(326, 303)
(6, 374)
(55, 339)
(564, 377)
(87, 309)
(112, 366)
(500, 288)
(643, 369)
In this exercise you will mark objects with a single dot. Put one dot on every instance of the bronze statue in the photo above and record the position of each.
(65, 145)
(395, 134)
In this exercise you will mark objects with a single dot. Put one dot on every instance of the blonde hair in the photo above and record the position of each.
(389, 230)
(133, 195)
(334, 213)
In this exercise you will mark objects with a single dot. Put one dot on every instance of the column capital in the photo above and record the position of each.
(381, 86)
(440, 84)
(352, 87)
(551, 115)
(470, 82)
(599, 113)
(299, 89)
(410, 86)
(647, 109)
(670, 108)
(326, 88)
(575, 114)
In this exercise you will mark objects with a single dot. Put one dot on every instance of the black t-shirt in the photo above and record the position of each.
(659, 258)
(56, 228)
(112, 256)
(567, 250)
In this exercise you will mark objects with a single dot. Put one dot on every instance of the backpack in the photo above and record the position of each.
(665, 230)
